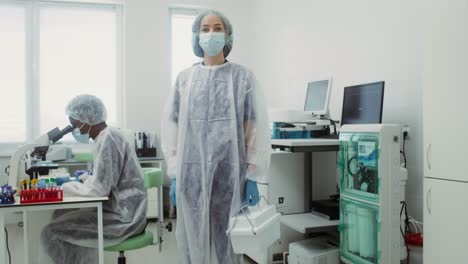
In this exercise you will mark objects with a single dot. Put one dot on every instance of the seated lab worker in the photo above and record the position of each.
(216, 141)
(71, 237)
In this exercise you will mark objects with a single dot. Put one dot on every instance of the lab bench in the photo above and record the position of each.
(67, 203)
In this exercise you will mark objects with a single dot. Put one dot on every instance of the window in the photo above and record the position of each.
(181, 40)
(68, 49)
(77, 55)
(12, 72)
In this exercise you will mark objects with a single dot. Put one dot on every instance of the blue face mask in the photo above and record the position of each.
(81, 138)
(212, 43)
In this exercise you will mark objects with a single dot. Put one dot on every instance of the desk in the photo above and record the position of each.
(306, 222)
(67, 203)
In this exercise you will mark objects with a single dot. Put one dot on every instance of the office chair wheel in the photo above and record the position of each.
(169, 227)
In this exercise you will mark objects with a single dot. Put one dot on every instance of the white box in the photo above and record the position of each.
(255, 239)
(320, 250)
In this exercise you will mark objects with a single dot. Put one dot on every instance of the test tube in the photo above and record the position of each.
(53, 183)
(353, 228)
(366, 233)
(53, 186)
(35, 184)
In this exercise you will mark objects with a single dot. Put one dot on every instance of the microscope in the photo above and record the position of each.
(20, 162)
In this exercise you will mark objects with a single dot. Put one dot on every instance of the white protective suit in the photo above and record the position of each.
(71, 237)
(214, 129)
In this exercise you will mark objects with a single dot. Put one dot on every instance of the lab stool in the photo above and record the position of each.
(153, 178)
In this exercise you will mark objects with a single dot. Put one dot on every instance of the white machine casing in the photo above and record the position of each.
(386, 204)
(318, 250)
(58, 152)
(252, 233)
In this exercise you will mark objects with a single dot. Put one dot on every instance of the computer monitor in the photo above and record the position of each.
(317, 98)
(362, 104)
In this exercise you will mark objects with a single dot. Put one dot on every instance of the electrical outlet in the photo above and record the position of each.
(406, 129)
(281, 200)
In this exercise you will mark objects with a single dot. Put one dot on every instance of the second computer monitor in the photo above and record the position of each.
(317, 98)
(363, 104)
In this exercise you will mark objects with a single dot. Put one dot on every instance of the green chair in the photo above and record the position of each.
(84, 157)
(153, 178)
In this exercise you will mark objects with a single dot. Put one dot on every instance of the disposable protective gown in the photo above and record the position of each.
(71, 237)
(215, 129)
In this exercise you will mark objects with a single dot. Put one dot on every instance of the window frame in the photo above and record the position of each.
(179, 10)
(32, 70)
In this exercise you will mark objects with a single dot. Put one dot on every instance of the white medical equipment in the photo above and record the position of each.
(306, 123)
(318, 250)
(254, 230)
(58, 152)
(21, 159)
(371, 180)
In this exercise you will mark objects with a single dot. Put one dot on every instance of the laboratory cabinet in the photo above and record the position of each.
(444, 82)
(370, 180)
(445, 221)
(445, 90)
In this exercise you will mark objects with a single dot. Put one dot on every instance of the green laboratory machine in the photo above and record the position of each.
(370, 187)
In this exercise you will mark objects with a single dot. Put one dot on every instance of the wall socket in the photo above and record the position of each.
(281, 200)
(406, 129)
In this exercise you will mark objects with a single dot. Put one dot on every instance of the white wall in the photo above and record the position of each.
(355, 42)
(148, 76)
(148, 54)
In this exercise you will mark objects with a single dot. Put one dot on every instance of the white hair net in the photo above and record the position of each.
(87, 108)
(196, 33)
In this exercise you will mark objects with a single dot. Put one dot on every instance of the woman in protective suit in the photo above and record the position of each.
(216, 141)
(71, 237)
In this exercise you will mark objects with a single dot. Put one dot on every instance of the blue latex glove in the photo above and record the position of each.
(79, 172)
(172, 193)
(252, 196)
(62, 180)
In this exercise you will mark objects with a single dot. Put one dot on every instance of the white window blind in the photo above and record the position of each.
(78, 54)
(51, 51)
(13, 78)
(181, 41)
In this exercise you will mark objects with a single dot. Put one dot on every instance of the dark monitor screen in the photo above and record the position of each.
(362, 104)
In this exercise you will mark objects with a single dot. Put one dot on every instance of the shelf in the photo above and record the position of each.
(308, 223)
(306, 145)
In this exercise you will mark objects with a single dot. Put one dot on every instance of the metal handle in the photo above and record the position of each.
(428, 152)
(241, 210)
(428, 200)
